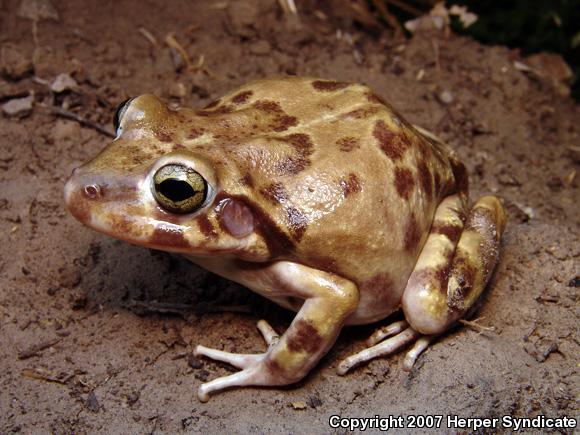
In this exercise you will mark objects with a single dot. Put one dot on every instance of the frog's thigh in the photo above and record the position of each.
(329, 300)
(450, 275)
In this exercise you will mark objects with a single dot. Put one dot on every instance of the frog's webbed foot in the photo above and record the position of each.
(397, 335)
(328, 302)
(241, 361)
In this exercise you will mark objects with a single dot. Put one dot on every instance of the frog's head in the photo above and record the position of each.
(148, 189)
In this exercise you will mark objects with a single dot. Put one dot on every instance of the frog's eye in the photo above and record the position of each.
(121, 109)
(179, 189)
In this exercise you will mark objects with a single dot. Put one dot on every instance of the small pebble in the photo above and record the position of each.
(63, 82)
(20, 107)
(445, 97)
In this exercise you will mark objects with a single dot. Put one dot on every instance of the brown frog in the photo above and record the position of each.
(315, 194)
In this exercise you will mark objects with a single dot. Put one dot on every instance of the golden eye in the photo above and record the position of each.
(179, 189)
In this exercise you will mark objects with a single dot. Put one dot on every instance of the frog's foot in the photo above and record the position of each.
(400, 335)
(328, 302)
(241, 361)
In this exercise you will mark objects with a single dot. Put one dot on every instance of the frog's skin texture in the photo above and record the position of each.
(321, 198)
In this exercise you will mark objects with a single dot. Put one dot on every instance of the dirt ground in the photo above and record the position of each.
(96, 335)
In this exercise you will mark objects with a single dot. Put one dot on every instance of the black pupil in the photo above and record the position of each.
(175, 190)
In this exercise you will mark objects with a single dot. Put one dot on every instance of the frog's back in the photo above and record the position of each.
(347, 184)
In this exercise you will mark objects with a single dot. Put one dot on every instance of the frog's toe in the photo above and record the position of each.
(387, 331)
(238, 360)
(384, 348)
(248, 376)
(270, 336)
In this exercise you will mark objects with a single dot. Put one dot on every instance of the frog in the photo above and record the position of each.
(314, 193)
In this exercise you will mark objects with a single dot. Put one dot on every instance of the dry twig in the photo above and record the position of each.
(59, 111)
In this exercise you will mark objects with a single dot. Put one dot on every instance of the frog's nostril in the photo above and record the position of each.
(92, 191)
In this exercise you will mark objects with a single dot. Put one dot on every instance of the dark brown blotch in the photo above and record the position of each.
(280, 120)
(425, 178)
(329, 85)
(404, 182)
(292, 165)
(452, 232)
(162, 135)
(297, 163)
(206, 227)
(247, 180)
(168, 236)
(393, 145)
(412, 234)
(297, 223)
(375, 99)
(362, 113)
(350, 185)
(275, 193)
(348, 143)
(222, 110)
(213, 104)
(303, 337)
(242, 97)
(195, 132)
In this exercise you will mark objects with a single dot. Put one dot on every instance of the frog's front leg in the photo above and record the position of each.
(452, 270)
(328, 300)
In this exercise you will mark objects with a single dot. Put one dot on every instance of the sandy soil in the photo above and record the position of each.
(96, 335)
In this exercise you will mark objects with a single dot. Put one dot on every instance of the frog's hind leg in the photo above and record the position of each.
(454, 266)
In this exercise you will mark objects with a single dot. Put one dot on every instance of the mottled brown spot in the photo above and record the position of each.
(303, 337)
(348, 143)
(301, 142)
(376, 99)
(206, 227)
(292, 165)
(404, 182)
(247, 180)
(412, 234)
(242, 97)
(304, 148)
(425, 178)
(275, 193)
(212, 104)
(222, 110)
(195, 132)
(280, 121)
(350, 185)
(268, 106)
(168, 236)
(362, 113)
(393, 145)
(297, 222)
(465, 273)
(162, 136)
(329, 85)
(452, 232)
